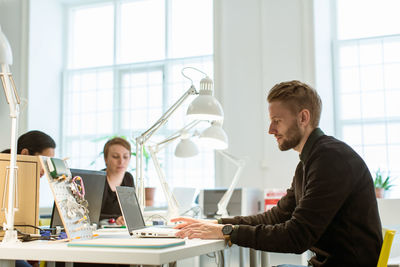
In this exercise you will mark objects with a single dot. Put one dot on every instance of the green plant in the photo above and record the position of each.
(381, 182)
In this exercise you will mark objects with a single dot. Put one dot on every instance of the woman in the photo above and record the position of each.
(117, 155)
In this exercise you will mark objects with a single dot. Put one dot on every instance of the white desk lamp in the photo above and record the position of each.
(216, 138)
(185, 148)
(189, 150)
(13, 101)
(224, 201)
(204, 107)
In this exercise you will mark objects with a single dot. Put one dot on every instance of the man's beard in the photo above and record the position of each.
(292, 139)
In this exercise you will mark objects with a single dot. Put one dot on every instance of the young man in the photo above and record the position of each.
(330, 207)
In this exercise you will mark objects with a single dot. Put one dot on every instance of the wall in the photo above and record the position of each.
(258, 44)
(14, 24)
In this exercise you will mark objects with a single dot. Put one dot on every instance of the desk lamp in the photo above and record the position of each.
(13, 101)
(185, 148)
(216, 138)
(204, 107)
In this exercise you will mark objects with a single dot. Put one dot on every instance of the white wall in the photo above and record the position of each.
(14, 24)
(258, 44)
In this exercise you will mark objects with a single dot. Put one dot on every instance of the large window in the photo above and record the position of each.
(123, 66)
(367, 68)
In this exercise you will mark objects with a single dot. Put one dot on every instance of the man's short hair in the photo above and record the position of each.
(298, 96)
(116, 141)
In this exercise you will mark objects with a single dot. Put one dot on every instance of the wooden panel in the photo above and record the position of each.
(28, 191)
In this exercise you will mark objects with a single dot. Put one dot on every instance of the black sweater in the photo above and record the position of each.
(330, 209)
(110, 206)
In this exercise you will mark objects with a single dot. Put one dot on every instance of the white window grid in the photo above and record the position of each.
(367, 93)
(85, 107)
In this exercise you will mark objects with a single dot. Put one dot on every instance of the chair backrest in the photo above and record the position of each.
(386, 245)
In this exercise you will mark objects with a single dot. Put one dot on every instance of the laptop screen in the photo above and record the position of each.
(130, 208)
(94, 182)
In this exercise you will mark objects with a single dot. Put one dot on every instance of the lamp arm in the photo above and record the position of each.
(173, 206)
(224, 201)
(175, 135)
(164, 118)
(145, 136)
(14, 101)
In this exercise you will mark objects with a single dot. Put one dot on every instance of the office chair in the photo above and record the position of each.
(386, 246)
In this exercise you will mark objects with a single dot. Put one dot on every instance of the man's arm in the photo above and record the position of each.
(327, 187)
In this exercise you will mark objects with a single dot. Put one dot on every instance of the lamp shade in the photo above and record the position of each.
(5, 50)
(186, 148)
(214, 136)
(205, 106)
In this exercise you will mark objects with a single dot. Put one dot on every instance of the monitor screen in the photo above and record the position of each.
(94, 182)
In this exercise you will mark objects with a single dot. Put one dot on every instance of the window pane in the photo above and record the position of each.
(348, 55)
(371, 78)
(92, 39)
(371, 52)
(373, 105)
(374, 134)
(352, 135)
(375, 157)
(392, 50)
(394, 134)
(363, 18)
(393, 103)
(350, 80)
(392, 76)
(350, 106)
(142, 99)
(142, 31)
(192, 28)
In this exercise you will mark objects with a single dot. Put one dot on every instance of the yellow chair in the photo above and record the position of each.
(386, 246)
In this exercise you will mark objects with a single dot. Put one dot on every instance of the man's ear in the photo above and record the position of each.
(24, 151)
(304, 117)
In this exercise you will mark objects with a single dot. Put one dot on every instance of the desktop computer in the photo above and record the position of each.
(244, 201)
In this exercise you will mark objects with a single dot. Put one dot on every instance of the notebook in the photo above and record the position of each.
(133, 216)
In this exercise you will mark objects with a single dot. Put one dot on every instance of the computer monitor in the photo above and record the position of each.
(94, 182)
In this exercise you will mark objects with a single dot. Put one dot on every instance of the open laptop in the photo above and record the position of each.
(133, 216)
(94, 182)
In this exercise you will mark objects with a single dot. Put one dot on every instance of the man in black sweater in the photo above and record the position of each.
(330, 207)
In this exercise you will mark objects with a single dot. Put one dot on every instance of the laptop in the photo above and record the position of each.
(94, 182)
(133, 216)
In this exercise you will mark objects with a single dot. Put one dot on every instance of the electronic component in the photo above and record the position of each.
(58, 168)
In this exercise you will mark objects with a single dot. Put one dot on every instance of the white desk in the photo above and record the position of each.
(51, 251)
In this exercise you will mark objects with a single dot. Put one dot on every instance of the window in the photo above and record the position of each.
(367, 66)
(123, 71)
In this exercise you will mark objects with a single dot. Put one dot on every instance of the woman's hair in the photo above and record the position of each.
(116, 141)
(298, 96)
(35, 142)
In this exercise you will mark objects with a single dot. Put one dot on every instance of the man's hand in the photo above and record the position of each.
(201, 230)
(187, 221)
(120, 220)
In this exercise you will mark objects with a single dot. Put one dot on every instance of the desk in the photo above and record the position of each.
(51, 251)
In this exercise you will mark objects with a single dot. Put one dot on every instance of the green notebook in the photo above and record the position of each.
(155, 243)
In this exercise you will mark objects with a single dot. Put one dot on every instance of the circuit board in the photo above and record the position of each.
(69, 196)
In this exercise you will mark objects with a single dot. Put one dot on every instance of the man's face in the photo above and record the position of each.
(284, 126)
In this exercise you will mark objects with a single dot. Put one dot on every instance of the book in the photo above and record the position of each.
(153, 243)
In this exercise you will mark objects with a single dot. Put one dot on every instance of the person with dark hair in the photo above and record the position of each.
(34, 143)
(330, 208)
(117, 155)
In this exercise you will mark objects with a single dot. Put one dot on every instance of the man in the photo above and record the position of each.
(330, 207)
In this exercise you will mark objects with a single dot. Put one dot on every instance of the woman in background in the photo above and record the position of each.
(117, 155)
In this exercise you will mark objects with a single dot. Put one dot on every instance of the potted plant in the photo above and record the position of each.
(382, 183)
